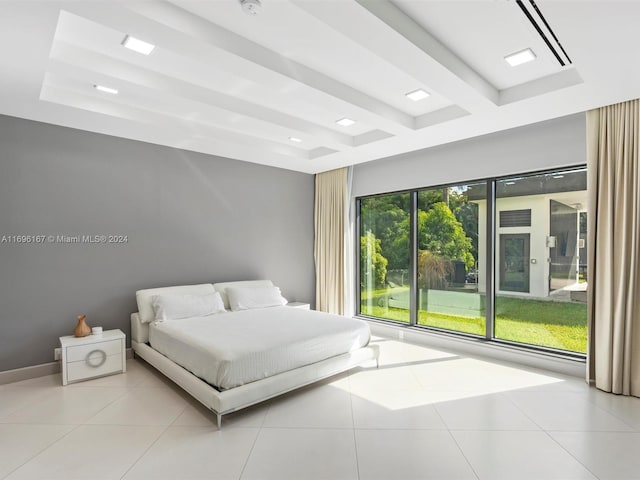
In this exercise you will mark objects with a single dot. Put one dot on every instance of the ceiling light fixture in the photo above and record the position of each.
(558, 176)
(137, 45)
(417, 95)
(104, 89)
(251, 7)
(345, 122)
(295, 139)
(518, 58)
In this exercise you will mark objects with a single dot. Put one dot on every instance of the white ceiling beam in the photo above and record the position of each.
(134, 97)
(175, 29)
(90, 61)
(446, 114)
(53, 90)
(385, 30)
(541, 86)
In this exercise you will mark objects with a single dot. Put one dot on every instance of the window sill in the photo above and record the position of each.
(551, 361)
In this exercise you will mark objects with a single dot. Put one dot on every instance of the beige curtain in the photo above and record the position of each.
(331, 228)
(613, 140)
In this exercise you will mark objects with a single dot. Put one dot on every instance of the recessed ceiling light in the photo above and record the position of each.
(295, 139)
(520, 57)
(345, 122)
(417, 95)
(137, 45)
(104, 89)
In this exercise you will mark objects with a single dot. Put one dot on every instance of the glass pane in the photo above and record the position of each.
(541, 260)
(384, 256)
(451, 292)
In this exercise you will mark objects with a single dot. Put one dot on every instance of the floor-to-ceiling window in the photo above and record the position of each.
(385, 256)
(502, 259)
(448, 259)
(541, 274)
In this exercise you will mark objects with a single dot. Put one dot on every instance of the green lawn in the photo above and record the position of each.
(560, 325)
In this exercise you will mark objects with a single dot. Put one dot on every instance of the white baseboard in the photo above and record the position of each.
(546, 361)
(35, 371)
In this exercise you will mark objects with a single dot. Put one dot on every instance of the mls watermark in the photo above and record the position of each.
(100, 239)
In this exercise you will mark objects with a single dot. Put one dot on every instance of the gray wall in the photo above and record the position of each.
(189, 218)
(554, 143)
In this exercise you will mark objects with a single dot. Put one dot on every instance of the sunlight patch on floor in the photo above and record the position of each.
(411, 376)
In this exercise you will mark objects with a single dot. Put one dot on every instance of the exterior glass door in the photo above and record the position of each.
(514, 262)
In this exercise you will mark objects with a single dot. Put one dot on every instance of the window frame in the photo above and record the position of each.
(490, 259)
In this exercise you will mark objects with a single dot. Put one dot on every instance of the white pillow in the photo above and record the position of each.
(143, 297)
(222, 287)
(244, 298)
(175, 307)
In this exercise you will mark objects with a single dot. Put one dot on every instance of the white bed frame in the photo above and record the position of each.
(227, 401)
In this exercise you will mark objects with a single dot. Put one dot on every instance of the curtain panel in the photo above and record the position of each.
(613, 141)
(331, 223)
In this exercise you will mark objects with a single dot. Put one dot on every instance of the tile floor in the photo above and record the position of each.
(424, 414)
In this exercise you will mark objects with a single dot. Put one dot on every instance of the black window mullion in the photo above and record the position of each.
(413, 258)
(490, 261)
(356, 260)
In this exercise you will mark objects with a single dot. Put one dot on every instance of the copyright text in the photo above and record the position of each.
(64, 239)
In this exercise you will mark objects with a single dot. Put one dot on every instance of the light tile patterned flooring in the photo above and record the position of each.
(424, 414)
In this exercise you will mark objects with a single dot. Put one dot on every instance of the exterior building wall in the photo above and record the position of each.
(539, 232)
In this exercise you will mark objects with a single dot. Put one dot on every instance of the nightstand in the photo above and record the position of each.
(92, 356)
(302, 305)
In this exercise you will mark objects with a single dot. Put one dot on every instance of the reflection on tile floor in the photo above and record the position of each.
(424, 414)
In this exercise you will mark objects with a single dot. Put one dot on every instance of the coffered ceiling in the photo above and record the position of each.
(269, 88)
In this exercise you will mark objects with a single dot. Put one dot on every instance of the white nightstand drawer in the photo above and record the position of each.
(79, 353)
(104, 365)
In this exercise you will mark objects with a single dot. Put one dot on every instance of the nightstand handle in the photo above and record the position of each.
(89, 361)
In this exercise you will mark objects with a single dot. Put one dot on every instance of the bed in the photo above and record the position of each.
(251, 348)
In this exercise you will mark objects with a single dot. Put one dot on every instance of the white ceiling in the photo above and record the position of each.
(226, 83)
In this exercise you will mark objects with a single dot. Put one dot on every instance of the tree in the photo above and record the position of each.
(442, 227)
(442, 234)
(467, 214)
(383, 216)
(373, 266)
(427, 198)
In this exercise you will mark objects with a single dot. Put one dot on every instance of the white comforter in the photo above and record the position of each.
(231, 349)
